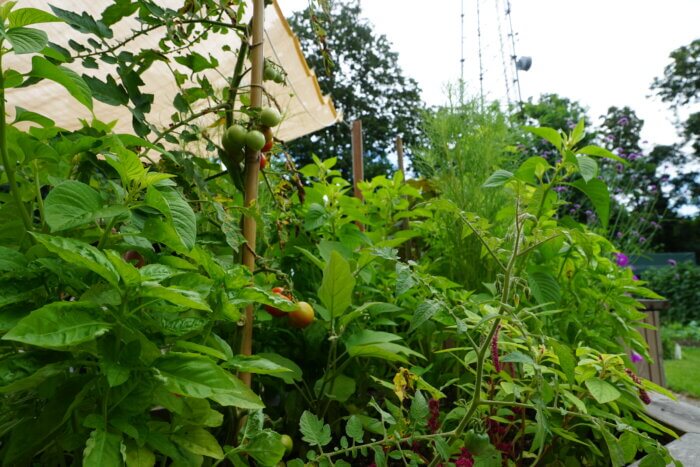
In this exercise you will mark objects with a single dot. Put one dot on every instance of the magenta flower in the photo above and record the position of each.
(621, 259)
(635, 357)
(672, 262)
(623, 121)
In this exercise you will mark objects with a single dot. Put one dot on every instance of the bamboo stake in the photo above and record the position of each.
(252, 166)
(399, 155)
(358, 170)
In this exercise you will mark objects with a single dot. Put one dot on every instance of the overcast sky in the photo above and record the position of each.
(599, 52)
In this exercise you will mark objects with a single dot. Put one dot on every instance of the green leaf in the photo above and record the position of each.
(532, 169)
(498, 178)
(177, 211)
(597, 151)
(602, 391)
(550, 134)
(419, 408)
(617, 455)
(340, 389)
(74, 84)
(129, 274)
(108, 91)
(295, 371)
(199, 441)
(128, 166)
(102, 449)
(424, 312)
(566, 358)
(24, 115)
(11, 260)
(175, 295)
(518, 357)
(588, 167)
(442, 448)
(84, 23)
(597, 191)
(60, 324)
(629, 442)
(26, 16)
(139, 456)
(266, 448)
(337, 285)
(70, 204)
(26, 40)
(544, 287)
(354, 429)
(313, 430)
(200, 377)
(81, 254)
(257, 364)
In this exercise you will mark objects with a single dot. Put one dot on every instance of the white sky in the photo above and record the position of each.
(598, 52)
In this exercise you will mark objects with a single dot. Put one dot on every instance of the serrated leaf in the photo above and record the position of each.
(354, 429)
(266, 448)
(419, 408)
(199, 441)
(313, 430)
(602, 391)
(424, 312)
(60, 324)
(70, 204)
(337, 285)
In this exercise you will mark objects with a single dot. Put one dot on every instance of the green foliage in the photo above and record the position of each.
(366, 83)
(464, 144)
(679, 285)
(677, 333)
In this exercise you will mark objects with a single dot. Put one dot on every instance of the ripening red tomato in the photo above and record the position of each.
(263, 161)
(302, 316)
(276, 311)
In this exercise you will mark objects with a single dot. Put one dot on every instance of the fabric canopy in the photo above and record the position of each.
(300, 100)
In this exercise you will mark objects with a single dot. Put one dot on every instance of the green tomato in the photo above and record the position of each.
(255, 140)
(235, 135)
(279, 77)
(270, 117)
(288, 443)
(476, 442)
(269, 73)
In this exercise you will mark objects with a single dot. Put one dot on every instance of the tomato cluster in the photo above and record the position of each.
(260, 138)
(299, 318)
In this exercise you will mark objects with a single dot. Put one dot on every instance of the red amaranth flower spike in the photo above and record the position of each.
(494, 350)
(643, 394)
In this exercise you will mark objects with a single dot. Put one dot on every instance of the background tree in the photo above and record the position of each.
(366, 82)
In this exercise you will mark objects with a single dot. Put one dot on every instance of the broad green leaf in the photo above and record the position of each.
(419, 408)
(24, 115)
(588, 167)
(139, 456)
(337, 285)
(175, 295)
(128, 166)
(199, 441)
(102, 449)
(532, 169)
(108, 91)
(257, 364)
(597, 151)
(518, 357)
(26, 40)
(295, 373)
(629, 442)
(574, 400)
(544, 287)
(74, 84)
(341, 388)
(566, 358)
(177, 211)
(26, 16)
(424, 312)
(617, 455)
(498, 178)
(59, 325)
(597, 191)
(200, 377)
(549, 134)
(129, 274)
(80, 254)
(11, 260)
(70, 204)
(313, 430)
(443, 448)
(602, 391)
(266, 448)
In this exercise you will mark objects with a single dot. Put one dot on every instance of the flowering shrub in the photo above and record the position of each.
(678, 283)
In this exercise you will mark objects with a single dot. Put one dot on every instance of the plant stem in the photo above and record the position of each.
(9, 167)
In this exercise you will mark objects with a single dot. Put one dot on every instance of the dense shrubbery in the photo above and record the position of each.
(678, 283)
(122, 298)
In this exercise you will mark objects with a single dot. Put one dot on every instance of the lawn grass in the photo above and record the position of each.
(684, 375)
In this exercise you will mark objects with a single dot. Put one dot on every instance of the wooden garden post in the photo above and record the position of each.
(252, 166)
(358, 170)
(399, 155)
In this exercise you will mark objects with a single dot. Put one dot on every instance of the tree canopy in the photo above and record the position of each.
(366, 82)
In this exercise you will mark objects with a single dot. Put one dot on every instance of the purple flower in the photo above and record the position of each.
(560, 189)
(642, 239)
(634, 156)
(665, 178)
(623, 121)
(635, 278)
(621, 259)
(652, 188)
(589, 212)
(610, 138)
(620, 168)
(672, 262)
(577, 206)
(635, 357)
(618, 235)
